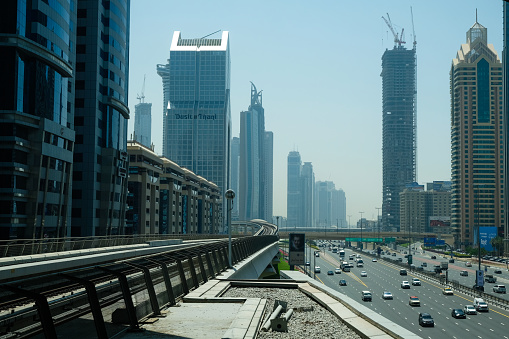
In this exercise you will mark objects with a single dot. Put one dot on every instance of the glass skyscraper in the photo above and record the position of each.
(255, 168)
(37, 111)
(143, 123)
(197, 123)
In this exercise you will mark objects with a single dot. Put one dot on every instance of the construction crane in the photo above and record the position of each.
(413, 30)
(141, 96)
(398, 39)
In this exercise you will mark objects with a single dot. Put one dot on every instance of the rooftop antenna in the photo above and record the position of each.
(210, 34)
(141, 96)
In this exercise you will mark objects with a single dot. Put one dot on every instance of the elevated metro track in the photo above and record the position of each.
(128, 290)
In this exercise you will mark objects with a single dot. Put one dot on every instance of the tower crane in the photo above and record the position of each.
(398, 40)
(413, 30)
(141, 96)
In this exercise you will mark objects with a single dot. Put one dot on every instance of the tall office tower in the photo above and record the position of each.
(399, 129)
(197, 125)
(143, 123)
(476, 139)
(323, 203)
(505, 60)
(308, 192)
(37, 112)
(235, 157)
(269, 175)
(255, 164)
(101, 113)
(294, 212)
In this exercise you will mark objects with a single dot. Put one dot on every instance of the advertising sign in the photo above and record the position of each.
(437, 221)
(487, 233)
(440, 242)
(297, 247)
(479, 275)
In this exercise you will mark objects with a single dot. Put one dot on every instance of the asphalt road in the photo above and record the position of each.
(383, 276)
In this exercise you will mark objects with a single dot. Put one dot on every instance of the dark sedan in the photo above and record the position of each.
(458, 313)
(425, 319)
(342, 282)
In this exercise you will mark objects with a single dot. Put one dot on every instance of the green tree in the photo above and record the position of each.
(498, 244)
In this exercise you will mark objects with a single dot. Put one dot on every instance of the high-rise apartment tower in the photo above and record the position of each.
(476, 138)
(399, 129)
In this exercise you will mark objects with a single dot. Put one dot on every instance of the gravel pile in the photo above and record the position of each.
(318, 323)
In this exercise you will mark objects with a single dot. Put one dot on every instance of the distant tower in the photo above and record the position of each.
(255, 162)
(476, 139)
(235, 174)
(143, 120)
(294, 213)
(505, 61)
(399, 94)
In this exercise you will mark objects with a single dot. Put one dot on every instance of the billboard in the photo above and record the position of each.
(297, 247)
(487, 233)
(436, 221)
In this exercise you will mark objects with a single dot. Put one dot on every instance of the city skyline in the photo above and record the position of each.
(334, 98)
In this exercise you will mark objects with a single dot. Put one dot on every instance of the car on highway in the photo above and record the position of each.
(308, 263)
(373, 260)
(425, 319)
(468, 264)
(400, 259)
(424, 264)
(330, 272)
(350, 257)
(447, 291)
(342, 282)
(464, 273)
(402, 272)
(490, 278)
(433, 257)
(364, 274)
(360, 264)
(338, 270)
(393, 254)
(414, 301)
(387, 296)
(469, 309)
(480, 305)
(405, 284)
(458, 313)
(416, 282)
(499, 289)
(366, 295)
(317, 269)
(451, 261)
(498, 271)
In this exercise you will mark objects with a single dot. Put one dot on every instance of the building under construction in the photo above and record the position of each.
(399, 128)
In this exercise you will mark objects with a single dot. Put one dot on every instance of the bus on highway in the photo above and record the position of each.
(342, 253)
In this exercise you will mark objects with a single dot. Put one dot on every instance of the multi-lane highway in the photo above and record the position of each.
(383, 276)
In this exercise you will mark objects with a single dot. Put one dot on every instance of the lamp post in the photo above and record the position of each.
(349, 235)
(230, 194)
(378, 220)
(361, 230)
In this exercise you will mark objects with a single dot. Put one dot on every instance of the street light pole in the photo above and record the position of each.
(361, 231)
(230, 194)
(349, 235)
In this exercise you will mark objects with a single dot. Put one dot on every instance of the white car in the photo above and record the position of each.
(469, 309)
(373, 260)
(388, 296)
(364, 274)
(338, 270)
(405, 284)
(317, 269)
(416, 282)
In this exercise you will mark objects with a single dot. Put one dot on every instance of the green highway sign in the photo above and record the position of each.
(390, 239)
(365, 239)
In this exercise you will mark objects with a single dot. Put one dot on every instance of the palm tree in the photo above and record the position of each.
(498, 244)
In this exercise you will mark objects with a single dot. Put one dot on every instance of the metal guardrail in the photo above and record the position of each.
(143, 285)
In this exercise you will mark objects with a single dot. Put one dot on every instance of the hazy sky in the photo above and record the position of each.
(318, 64)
